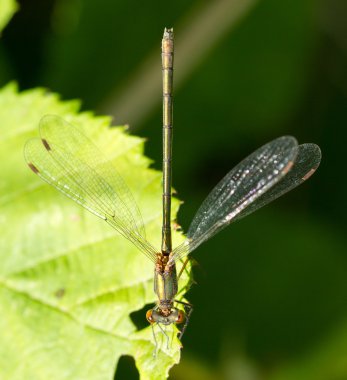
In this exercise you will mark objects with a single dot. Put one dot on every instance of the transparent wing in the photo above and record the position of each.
(306, 163)
(247, 187)
(70, 162)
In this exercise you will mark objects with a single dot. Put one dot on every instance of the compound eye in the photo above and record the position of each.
(180, 317)
(149, 316)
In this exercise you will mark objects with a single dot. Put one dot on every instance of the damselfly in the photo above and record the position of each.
(69, 161)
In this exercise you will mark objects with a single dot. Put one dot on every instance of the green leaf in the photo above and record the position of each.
(68, 282)
(7, 10)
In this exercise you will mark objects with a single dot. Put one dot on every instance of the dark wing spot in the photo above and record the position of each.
(308, 174)
(33, 168)
(45, 144)
(288, 167)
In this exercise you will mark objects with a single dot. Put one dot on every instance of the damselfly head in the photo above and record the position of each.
(158, 316)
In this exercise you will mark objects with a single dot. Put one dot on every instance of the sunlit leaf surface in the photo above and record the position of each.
(68, 282)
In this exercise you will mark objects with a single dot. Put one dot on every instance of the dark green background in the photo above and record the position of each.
(272, 289)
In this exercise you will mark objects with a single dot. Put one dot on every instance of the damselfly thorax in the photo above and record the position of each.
(165, 287)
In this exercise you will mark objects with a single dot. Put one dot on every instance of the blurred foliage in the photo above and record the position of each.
(271, 294)
(7, 9)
